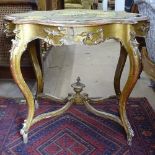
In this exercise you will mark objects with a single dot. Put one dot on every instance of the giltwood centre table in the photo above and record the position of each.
(66, 27)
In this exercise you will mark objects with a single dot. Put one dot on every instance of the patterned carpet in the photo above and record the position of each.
(77, 132)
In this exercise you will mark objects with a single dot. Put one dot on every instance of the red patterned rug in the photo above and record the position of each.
(77, 132)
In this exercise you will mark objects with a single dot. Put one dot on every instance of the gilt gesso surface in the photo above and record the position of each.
(72, 26)
(88, 27)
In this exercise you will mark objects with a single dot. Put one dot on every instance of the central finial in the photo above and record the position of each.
(78, 98)
(78, 79)
(78, 86)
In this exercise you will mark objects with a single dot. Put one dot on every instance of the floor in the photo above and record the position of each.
(94, 64)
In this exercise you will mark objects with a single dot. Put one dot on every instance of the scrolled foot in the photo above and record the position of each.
(130, 134)
(24, 133)
(25, 136)
(129, 137)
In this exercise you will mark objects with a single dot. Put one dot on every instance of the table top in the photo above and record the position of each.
(76, 17)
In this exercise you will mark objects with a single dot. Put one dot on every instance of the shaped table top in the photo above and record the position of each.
(75, 17)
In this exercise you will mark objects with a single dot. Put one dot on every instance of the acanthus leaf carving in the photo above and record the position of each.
(94, 37)
(69, 36)
(134, 42)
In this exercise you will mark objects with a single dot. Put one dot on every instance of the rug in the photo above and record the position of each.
(77, 132)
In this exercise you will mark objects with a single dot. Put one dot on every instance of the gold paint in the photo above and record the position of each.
(8, 28)
(124, 31)
(119, 70)
(37, 69)
(93, 38)
(17, 50)
(102, 113)
(52, 114)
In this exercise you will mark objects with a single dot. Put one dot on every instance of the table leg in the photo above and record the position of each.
(119, 70)
(37, 70)
(133, 52)
(16, 52)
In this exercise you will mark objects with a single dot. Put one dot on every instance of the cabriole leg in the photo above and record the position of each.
(119, 70)
(133, 52)
(37, 70)
(16, 53)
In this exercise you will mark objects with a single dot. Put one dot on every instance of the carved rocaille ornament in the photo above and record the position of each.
(69, 36)
(66, 27)
(134, 43)
(8, 29)
(93, 38)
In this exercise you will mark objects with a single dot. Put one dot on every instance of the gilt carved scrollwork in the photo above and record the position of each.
(18, 40)
(8, 29)
(93, 38)
(15, 41)
(134, 42)
(70, 35)
(54, 36)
